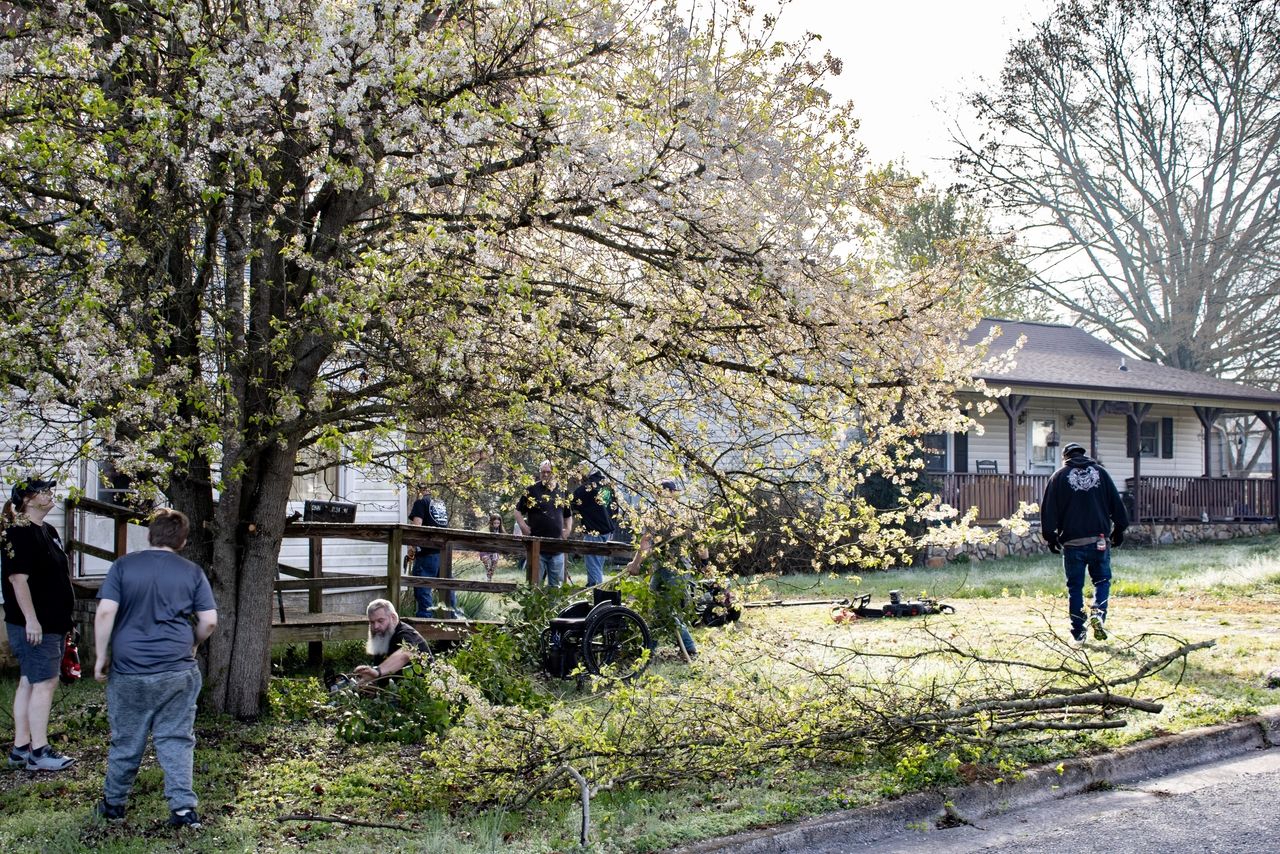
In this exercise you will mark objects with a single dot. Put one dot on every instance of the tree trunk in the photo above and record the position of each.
(245, 548)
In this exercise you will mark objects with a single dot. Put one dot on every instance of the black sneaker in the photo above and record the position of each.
(185, 818)
(110, 812)
(48, 759)
(18, 756)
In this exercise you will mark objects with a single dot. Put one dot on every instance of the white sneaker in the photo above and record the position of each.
(1096, 623)
(48, 759)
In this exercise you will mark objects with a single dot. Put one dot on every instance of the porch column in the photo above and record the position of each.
(1014, 405)
(1207, 415)
(1137, 412)
(1271, 418)
(1092, 411)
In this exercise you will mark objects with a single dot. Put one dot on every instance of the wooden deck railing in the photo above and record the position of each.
(996, 496)
(1159, 498)
(318, 626)
(1212, 499)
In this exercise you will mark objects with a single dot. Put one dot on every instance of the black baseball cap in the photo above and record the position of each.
(1071, 448)
(24, 488)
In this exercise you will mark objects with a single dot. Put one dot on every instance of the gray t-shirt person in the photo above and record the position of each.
(158, 593)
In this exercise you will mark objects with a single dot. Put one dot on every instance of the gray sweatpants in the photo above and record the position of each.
(163, 704)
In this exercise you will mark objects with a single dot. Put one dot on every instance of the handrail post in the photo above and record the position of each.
(315, 596)
(121, 536)
(533, 568)
(69, 537)
(446, 571)
(394, 548)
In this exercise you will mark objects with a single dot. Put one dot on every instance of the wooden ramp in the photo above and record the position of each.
(321, 628)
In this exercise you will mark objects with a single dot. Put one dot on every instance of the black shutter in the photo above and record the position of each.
(960, 441)
(1130, 438)
(1166, 438)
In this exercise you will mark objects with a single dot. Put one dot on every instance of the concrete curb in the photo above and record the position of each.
(1157, 756)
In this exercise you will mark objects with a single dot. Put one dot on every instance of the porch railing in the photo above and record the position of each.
(1158, 498)
(996, 496)
(1214, 499)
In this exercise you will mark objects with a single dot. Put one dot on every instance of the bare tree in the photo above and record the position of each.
(1142, 142)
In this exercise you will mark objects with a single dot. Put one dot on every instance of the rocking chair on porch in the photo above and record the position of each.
(988, 467)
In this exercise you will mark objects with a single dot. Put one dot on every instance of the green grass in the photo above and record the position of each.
(249, 775)
(1233, 565)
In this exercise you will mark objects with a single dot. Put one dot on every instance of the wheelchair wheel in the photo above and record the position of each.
(616, 638)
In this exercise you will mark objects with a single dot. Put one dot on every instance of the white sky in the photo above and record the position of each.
(907, 64)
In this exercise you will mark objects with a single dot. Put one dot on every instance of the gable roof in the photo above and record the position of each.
(1068, 358)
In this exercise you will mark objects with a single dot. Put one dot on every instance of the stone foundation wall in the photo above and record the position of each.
(1159, 533)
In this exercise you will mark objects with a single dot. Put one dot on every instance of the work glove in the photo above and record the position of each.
(1117, 538)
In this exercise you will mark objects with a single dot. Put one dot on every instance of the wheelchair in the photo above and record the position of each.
(601, 635)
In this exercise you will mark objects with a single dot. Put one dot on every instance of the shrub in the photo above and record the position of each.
(295, 699)
(472, 604)
(531, 616)
(410, 709)
(490, 660)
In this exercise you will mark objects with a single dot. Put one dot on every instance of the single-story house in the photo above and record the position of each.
(1166, 435)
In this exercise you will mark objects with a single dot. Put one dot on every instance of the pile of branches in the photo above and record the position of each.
(772, 702)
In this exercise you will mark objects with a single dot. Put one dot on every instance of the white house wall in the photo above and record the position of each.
(1188, 447)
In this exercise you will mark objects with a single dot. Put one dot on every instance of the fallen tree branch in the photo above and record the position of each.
(337, 819)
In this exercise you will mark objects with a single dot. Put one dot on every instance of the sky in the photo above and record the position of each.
(907, 64)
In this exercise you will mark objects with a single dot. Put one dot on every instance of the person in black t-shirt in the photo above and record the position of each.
(391, 643)
(432, 512)
(593, 502)
(542, 511)
(38, 602)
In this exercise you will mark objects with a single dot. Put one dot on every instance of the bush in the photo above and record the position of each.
(410, 709)
(295, 699)
(472, 604)
(534, 609)
(491, 661)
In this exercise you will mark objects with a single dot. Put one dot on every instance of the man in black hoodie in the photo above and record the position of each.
(1081, 507)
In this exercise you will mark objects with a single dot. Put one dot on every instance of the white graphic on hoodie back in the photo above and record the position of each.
(1084, 479)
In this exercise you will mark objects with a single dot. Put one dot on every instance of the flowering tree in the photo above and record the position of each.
(460, 231)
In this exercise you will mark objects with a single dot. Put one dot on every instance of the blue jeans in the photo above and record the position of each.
(1075, 560)
(675, 585)
(163, 704)
(427, 565)
(594, 563)
(552, 569)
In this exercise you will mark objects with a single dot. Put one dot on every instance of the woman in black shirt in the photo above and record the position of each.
(38, 602)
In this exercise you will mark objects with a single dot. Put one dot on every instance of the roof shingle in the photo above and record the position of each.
(1067, 357)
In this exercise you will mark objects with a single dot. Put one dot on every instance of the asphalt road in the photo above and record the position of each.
(1226, 807)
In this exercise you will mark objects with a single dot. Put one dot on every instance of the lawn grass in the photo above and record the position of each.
(249, 775)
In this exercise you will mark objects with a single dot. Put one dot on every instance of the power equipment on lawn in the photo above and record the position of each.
(793, 603)
(713, 603)
(898, 607)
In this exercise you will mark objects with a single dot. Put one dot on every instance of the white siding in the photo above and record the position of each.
(1188, 448)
